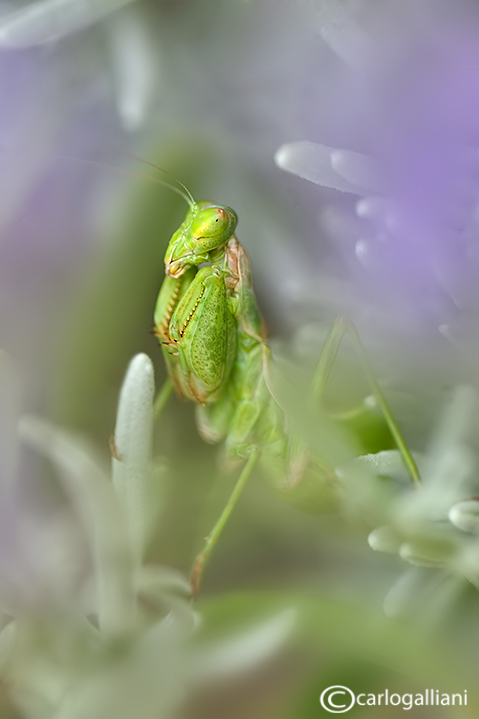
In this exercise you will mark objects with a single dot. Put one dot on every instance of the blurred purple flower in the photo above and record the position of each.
(410, 112)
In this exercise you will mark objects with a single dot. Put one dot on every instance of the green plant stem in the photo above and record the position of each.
(406, 455)
(322, 374)
(215, 533)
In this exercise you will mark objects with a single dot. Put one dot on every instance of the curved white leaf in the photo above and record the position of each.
(384, 539)
(248, 650)
(93, 497)
(133, 438)
(359, 169)
(134, 65)
(465, 515)
(49, 20)
(312, 161)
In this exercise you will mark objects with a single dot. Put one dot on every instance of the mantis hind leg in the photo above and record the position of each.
(234, 416)
(290, 458)
(250, 394)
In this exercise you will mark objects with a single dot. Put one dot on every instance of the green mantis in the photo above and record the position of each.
(211, 331)
(214, 344)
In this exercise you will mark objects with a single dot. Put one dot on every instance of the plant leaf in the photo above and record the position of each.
(93, 497)
(48, 20)
(248, 650)
(131, 467)
(313, 162)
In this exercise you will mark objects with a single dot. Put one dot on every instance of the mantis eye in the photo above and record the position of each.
(213, 223)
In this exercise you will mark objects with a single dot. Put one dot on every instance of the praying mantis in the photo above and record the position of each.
(217, 356)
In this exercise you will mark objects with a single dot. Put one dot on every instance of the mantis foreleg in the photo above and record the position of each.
(214, 535)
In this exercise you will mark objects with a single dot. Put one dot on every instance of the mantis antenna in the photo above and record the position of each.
(157, 167)
(134, 173)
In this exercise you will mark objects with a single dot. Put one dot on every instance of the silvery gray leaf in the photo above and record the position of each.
(47, 20)
(349, 42)
(387, 463)
(168, 589)
(420, 558)
(248, 650)
(312, 161)
(358, 169)
(155, 579)
(103, 520)
(453, 428)
(384, 539)
(465, 515)
(338, 27)
(133, 441)
(135, 67)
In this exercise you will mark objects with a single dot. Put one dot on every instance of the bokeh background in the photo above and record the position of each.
(345, 135)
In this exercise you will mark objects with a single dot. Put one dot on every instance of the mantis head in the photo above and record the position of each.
(205, 228)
